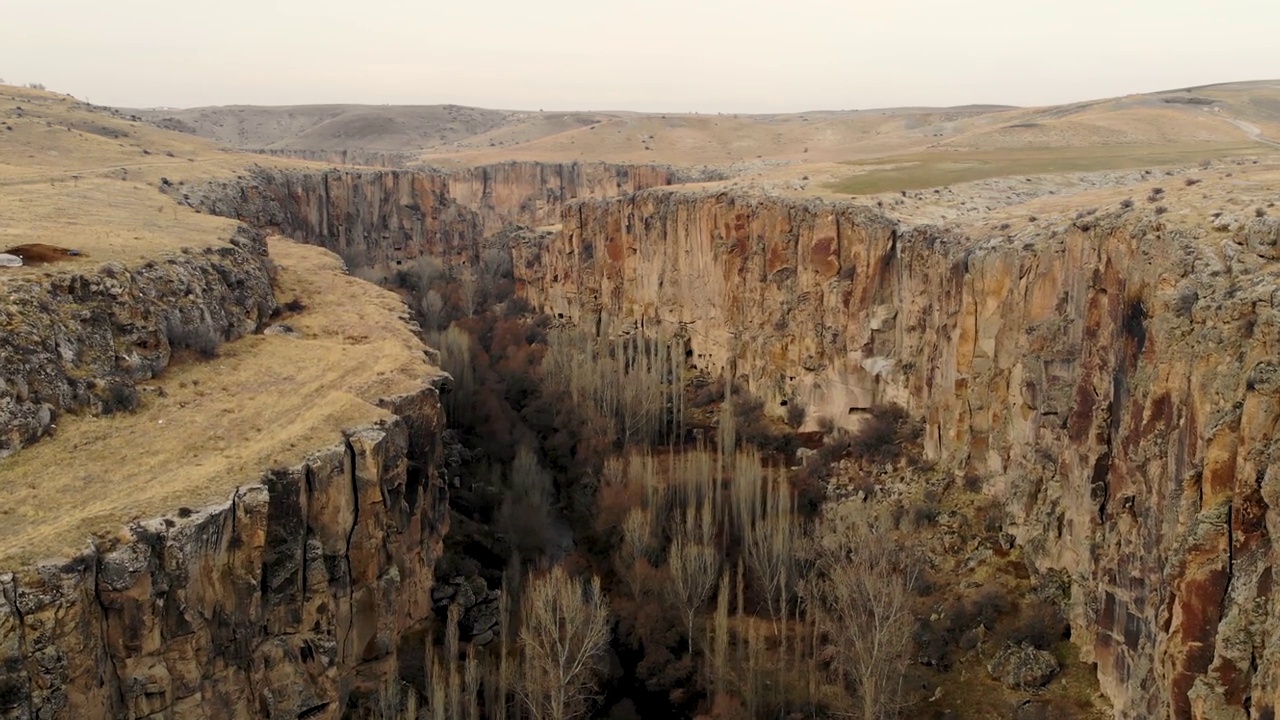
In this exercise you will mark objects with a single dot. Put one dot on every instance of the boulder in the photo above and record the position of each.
(1023, 667)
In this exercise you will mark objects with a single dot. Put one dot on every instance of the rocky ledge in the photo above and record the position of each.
(307, 594)
(81, 341)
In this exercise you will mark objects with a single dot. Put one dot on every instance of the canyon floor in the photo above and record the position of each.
(109, 424)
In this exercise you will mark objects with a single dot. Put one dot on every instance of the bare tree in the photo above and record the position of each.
(771, 547)
(471, 679)
(637, 544)
(694, 564)
(431, 305)
(456, 358)
(525, 513)
(469, 284)
(860, 595)
(563, 634)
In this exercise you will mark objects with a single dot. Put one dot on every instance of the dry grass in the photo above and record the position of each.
(267, 401)
(77, 176)
(928, 170)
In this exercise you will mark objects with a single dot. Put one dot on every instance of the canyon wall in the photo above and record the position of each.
(386, 218)
(1115, 378)
(308, 594)
(72, 341)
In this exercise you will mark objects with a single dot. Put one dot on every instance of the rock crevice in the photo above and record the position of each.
(290, 600)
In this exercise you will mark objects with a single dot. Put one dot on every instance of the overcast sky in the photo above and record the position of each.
(662, 55)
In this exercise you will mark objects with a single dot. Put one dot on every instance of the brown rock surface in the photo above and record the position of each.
(83, 340)
(298, 597)
(1113, 374)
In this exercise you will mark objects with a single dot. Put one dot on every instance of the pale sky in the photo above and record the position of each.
(656, 55)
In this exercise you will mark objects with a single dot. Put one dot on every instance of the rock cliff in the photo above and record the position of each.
(390, 216)
(306, 595)
(1115, 376)
(75, 341)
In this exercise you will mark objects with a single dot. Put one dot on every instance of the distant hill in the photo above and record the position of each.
(1168, 126)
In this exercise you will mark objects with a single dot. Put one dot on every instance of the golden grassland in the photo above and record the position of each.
(927, 170)
(205, 427)
(81, 177)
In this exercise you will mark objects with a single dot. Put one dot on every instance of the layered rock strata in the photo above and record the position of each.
(308, 594)
(384, 218)
(72, 341)
(1116, 377)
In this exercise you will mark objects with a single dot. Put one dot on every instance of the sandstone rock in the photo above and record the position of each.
(296, 598)
(1023, 667)
(74, 340)
(1122, 433)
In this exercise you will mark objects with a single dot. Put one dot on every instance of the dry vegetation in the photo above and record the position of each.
(594, 476)
(87, 178)
(264, 401)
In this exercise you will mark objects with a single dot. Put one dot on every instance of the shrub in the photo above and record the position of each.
(199, 339)
(756, 428)
(707, 392)
(294, 306)
(1126, 203)
(1192, 181)
(1160, 210)
(119, 398)
(884, 432)
(924, 514)
(796, 414)
(1039, 624)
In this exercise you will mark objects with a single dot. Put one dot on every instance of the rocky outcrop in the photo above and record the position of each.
(384, 218)
(308, 594)
(1023, 667)
(1115, 376)
(72, 341)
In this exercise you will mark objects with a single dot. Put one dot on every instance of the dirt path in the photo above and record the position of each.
(1255, 133)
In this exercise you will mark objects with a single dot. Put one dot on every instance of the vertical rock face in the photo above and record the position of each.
(383, 218)
(73, 341)
(1118, 379)
(306, 595)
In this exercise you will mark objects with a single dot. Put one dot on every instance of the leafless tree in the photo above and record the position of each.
(637, 544)
(456, 358)
(694, 564)
(771, 547)
(860, 595)
(525, 513)
(563, 634)
(431, 305)
(469, 284)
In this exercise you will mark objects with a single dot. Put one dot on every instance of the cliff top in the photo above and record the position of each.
(89, 179)
(204, 428)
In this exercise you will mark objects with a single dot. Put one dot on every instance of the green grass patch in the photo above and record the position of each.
(927, 170)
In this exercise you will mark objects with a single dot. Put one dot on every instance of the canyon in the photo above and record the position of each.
(1112, 374)
(1108, 367)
